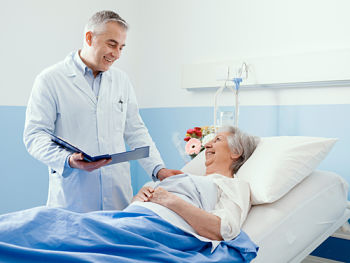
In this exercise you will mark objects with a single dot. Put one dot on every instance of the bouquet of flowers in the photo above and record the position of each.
(196, 138)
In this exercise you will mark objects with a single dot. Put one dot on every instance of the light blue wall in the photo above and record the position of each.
(24, 180)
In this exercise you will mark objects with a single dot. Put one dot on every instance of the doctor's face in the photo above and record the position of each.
(105, 47)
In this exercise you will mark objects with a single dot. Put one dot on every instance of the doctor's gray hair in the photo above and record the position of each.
(240, 143)
(101, 18)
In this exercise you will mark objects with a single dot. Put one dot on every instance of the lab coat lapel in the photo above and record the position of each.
(78, 79)
(80, 82)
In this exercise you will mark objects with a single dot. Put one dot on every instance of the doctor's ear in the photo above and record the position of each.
(88, 38)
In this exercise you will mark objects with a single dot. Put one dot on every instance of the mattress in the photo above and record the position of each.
(293, 226)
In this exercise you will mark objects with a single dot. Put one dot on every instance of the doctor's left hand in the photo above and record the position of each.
(164, 173)
(76, 160)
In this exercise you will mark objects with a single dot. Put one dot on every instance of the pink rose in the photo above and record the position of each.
(193, 146)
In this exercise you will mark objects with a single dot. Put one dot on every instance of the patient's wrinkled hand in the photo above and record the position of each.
(162, 197)
(144, 194)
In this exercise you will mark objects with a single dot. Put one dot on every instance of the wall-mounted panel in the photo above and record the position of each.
(318, 69)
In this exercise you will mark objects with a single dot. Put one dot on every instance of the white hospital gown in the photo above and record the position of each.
(228, 198)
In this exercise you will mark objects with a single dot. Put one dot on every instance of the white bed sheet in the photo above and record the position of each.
(289, 227)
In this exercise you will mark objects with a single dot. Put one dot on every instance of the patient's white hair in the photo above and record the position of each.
(241, 143)
(100, 18)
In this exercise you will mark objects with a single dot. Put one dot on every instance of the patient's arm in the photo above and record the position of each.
(204, 223)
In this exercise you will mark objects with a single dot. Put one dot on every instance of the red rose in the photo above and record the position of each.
(190, 131)
(197, 129)
(187, 139)
(199, 133)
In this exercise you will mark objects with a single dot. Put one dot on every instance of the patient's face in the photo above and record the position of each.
(218, 155)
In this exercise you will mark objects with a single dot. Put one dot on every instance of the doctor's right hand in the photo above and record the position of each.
(76, 160)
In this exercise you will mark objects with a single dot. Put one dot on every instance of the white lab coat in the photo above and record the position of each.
(63, 103)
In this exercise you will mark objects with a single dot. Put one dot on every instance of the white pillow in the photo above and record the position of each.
(196, 165)
(276, 166)
(280, 163)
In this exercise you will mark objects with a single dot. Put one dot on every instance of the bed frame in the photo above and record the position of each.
(340, 222)
(289, 229)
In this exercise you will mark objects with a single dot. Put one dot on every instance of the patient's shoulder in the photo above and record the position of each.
(230, 181)
(231, 185)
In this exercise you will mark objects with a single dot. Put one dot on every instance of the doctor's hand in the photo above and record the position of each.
(164, 173)
(144, 194)
(76, 160)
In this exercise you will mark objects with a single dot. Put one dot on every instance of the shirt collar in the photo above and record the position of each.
(81, 65)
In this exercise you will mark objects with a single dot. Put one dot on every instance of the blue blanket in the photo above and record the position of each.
(136, 234)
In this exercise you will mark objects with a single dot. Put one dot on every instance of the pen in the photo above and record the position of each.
(121, 104)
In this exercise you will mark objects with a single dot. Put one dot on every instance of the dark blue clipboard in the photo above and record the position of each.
(137, 153)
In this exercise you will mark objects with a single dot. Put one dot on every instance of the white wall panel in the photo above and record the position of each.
(177, 33)
(164, 35)
(39, 33)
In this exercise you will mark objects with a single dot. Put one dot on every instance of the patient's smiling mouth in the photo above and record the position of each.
(209, 152)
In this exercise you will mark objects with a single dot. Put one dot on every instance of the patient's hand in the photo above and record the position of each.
(144, 194)
(162, 197)
(164, 173)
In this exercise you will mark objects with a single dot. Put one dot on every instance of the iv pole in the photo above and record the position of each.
(237, 81)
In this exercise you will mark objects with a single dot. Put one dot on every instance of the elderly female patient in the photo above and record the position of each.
(216, 205)
(184, 218)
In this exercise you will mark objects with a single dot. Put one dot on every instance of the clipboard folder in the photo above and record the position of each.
(137, 153)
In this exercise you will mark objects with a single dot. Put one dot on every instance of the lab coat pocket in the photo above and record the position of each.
(119, 115)
(63, 191)
(59, 176)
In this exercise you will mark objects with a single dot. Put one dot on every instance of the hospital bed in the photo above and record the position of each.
(290, 228)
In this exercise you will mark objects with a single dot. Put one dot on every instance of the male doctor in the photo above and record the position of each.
(93, 106)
